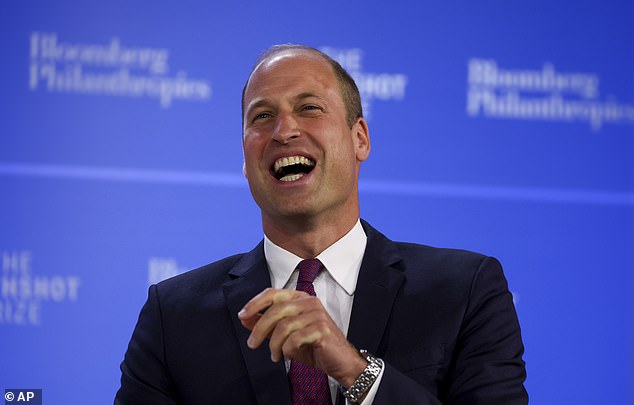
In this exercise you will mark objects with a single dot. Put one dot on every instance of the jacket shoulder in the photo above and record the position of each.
(446, 256)
(455, 265)
(424, 261)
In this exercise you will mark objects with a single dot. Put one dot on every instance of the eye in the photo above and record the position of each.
(311, 108)
(261, 116)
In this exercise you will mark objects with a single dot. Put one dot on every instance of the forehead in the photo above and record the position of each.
(287, 72)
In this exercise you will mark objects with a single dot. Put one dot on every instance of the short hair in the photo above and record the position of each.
(347, 87)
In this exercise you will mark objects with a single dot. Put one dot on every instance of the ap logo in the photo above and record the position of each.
(23, 396)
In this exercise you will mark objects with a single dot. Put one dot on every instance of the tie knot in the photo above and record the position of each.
(308, 270)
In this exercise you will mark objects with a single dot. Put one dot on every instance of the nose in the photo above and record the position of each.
(286, 128)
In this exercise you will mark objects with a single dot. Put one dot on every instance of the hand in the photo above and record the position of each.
(298, 327)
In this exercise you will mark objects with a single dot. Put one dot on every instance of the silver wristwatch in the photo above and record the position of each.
(369, 375)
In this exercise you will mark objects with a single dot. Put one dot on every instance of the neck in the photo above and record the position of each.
(307, 237)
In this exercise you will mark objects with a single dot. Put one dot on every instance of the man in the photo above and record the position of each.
(438, 325)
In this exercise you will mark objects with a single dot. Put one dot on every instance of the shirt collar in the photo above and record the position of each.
(342, 259)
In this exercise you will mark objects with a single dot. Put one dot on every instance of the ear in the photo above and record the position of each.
(244, 160)
(361, 139)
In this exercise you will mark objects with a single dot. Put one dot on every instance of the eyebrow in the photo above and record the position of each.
(304, 95)
(265, 102)
(261, 102)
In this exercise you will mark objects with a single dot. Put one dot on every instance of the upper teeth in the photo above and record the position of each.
(292, 160)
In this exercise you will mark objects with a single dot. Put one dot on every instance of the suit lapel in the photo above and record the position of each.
(380, 278)
(248, 278)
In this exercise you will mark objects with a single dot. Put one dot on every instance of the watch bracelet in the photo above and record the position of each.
(369, 375)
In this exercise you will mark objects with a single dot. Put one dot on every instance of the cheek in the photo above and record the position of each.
(342, 148)
(251, 149)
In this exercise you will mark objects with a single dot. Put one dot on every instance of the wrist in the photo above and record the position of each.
(358, 365)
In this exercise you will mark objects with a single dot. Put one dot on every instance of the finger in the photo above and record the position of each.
(308, 311)
(301, 339)
(282, 330)
(249, 323)
(259, 303)
(264, 327)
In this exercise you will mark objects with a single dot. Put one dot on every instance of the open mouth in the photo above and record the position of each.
(292, 168)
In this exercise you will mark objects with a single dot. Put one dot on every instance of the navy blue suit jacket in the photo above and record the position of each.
(442, 320)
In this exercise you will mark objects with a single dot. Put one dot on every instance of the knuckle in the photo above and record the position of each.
(294, 341)
(288, 348)
(322, 317)
(284, 325)
(278, 296)
(290, 309)
(276, 339)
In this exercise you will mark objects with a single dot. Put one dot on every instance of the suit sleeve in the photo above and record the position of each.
(144, 375)
(487, 366)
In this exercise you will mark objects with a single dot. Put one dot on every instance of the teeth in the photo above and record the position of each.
(292, 160)
(292, 177)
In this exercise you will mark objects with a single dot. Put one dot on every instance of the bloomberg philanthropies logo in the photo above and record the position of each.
(110, 69)
(540, 94)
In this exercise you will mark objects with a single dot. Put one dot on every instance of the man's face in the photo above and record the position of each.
(301, 157)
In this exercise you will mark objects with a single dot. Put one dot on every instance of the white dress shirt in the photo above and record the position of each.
(334, 286)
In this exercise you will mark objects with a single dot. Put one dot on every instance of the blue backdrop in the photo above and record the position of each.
(500, 127)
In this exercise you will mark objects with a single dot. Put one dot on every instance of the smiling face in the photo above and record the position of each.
(301, 157)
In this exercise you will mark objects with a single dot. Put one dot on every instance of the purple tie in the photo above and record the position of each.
(309, 385)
